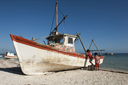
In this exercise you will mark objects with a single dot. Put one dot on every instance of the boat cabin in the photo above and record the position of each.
(9, 54)
(63, 42)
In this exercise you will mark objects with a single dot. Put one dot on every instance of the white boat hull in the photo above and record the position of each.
(35, 60)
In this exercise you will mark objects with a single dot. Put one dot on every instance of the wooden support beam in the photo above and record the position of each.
(78, 34)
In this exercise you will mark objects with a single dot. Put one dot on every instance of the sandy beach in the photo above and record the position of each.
(11, 74)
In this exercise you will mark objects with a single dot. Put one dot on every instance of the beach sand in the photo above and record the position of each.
(11, 74)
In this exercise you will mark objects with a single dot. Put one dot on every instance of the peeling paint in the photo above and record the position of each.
(65, 48)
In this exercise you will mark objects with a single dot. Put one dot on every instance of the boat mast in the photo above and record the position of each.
(56, 28)
(56, 15)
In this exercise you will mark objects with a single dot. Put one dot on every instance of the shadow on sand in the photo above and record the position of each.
(17, 70)
(14, 70)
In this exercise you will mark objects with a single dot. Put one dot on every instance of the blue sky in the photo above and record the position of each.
(105, 21)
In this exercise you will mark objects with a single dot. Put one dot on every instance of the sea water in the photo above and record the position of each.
(1, 56)
(117, 61)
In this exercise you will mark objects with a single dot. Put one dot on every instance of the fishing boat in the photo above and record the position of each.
(58, 54)
(9, 55)
(108, 53)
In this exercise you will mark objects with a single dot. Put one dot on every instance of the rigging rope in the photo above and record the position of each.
(61, 12)
(64, 20)
(63, 26)
(53, 19)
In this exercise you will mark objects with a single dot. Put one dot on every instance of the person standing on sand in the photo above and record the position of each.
(97, 61)
(90, 56)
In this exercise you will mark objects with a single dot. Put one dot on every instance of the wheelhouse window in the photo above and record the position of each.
(56, 40)
(70, 40)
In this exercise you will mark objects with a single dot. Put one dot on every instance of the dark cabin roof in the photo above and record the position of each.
(59, 36)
